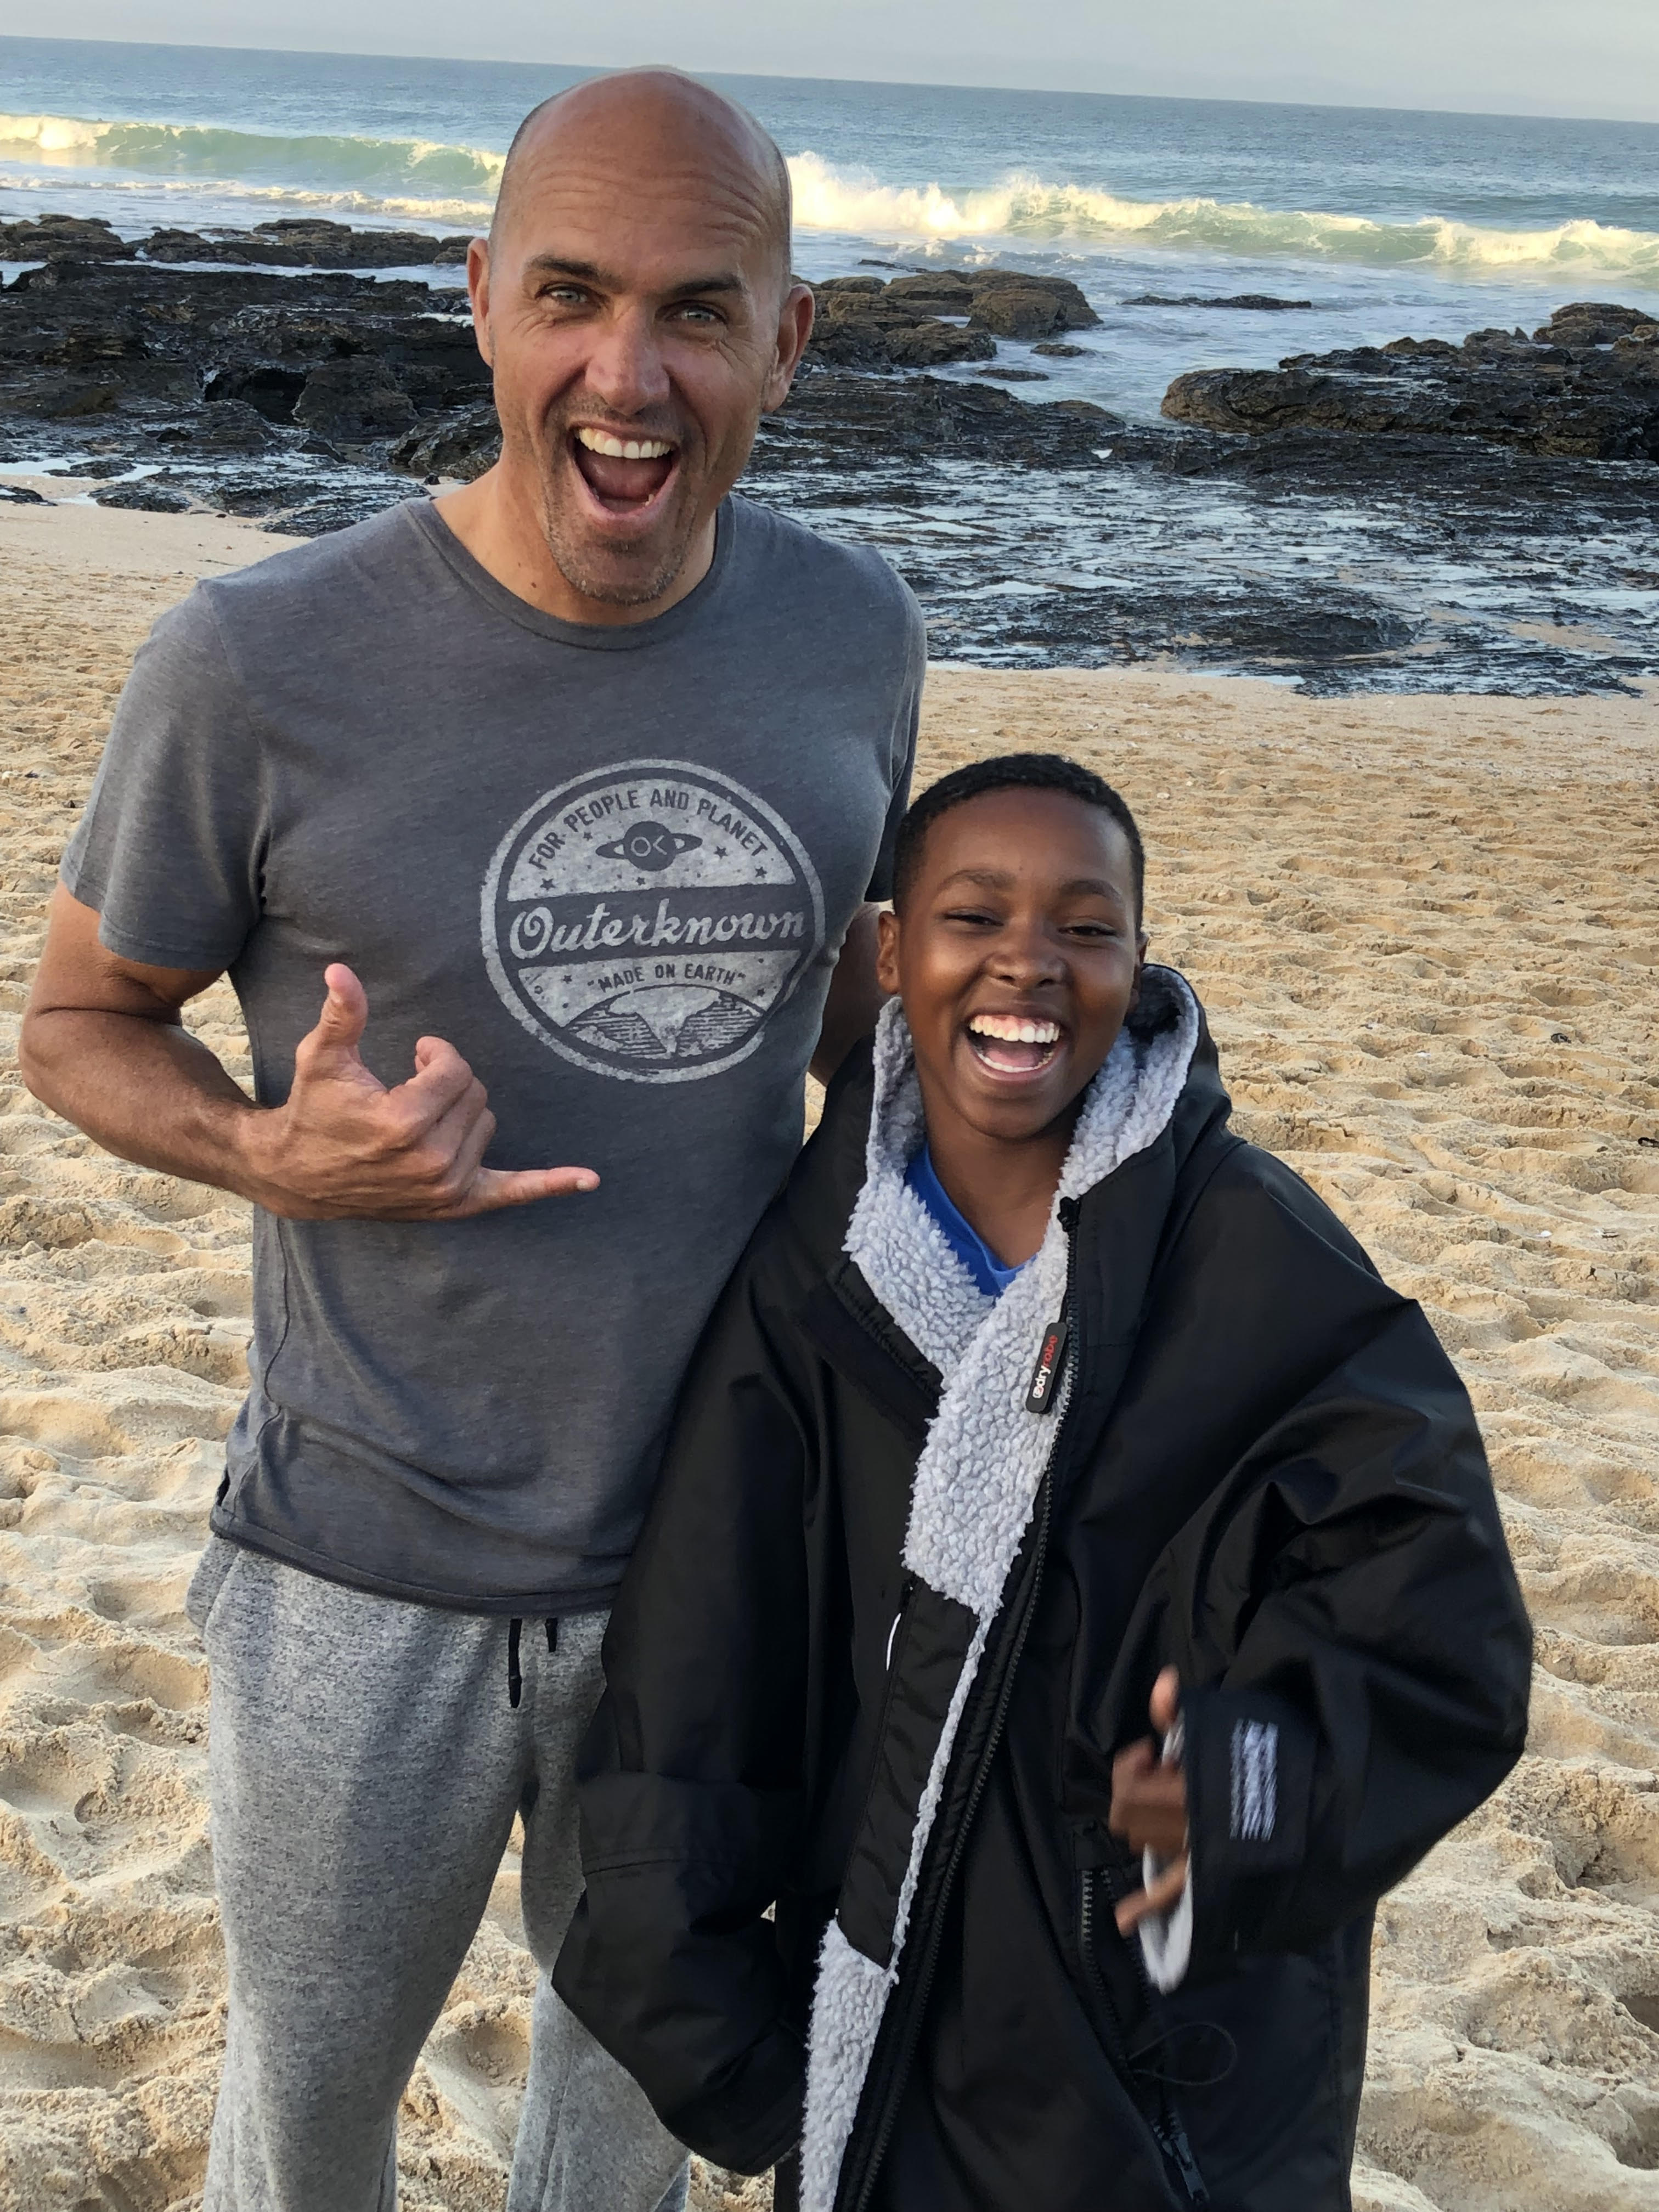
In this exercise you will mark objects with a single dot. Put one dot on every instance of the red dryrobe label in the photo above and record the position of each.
(1044, 1375)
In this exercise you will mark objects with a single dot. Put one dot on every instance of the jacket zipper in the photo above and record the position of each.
(1166, 2124)
(917, 1996)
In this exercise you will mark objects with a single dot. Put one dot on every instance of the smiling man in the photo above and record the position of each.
(571, 784)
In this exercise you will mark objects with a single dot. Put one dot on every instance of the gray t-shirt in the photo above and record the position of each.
(612, 867)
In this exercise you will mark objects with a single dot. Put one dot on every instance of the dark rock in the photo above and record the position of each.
(860, 329)
(1260, 303)
(97, 472)
(22, 495)
(271, 390)
(1019, 311)
(1597, 399)
(146, 498)
(1054, 349)
(53, 275)
(63, 398)
(50, 236)
(865, 324)
(462, 446)
(1593, 322)
(942, 295)
(929, 344)
(353, 402)
(301, 242)
(1075, 313)
(1018, 375)
(338, 510)
(830, 414)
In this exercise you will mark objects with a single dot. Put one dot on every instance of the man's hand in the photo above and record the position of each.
(344, 1147)
(1149, 1808)
(103, 1044)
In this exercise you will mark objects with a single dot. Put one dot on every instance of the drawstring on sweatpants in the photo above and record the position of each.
(514, 1674)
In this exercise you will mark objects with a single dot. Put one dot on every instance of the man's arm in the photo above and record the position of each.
(855, 997)
(103, 1044)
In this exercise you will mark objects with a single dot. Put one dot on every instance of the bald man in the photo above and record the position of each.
(565, 793)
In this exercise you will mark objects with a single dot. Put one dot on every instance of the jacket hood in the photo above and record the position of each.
(874, 1109)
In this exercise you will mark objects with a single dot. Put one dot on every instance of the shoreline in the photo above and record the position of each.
(1423, 928)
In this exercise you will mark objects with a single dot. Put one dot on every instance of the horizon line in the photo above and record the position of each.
(1354, 106)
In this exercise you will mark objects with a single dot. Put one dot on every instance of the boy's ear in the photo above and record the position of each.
(887, 945)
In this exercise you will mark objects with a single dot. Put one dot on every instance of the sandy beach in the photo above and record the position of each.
(1426, 932)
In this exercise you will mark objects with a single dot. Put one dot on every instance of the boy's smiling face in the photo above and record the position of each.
(1017, 956)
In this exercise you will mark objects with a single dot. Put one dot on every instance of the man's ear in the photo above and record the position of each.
(887, 949)
(795, 319)
(1141, 943)
(477, 286)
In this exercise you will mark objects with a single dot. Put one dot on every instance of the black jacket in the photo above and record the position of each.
(1262, 1469)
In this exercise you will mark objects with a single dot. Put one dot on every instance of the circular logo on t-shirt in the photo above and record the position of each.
(645, 920)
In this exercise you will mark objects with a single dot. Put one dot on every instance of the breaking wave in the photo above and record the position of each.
(432, 182)
(391, 176)
(1022, 206)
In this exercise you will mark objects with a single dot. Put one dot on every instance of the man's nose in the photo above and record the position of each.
(625, 368)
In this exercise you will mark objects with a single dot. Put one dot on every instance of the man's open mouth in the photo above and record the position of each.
(623, 474)
(1011, 1044)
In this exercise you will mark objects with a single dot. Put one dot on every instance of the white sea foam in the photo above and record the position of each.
(1025, 206)
(427, 181)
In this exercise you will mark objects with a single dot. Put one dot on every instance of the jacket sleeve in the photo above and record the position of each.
(1354, 1651)
(691, 1779)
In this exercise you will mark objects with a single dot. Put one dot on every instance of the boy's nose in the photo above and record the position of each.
(1028, 956)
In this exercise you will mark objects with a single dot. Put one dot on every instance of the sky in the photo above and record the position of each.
(1594, 57)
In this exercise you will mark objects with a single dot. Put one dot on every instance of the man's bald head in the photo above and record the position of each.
(664, 122)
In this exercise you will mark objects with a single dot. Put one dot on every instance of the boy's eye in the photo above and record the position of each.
(976, 915)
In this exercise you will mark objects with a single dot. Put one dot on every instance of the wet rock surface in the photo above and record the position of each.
(930, 317)
(1256, 303)
(1352, 545)
(1586, 385)
(294, 242)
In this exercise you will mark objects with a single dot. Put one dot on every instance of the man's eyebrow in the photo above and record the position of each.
(589, 272)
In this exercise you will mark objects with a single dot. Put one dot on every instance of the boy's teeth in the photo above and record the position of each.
(1012, 1031)
(624, 449)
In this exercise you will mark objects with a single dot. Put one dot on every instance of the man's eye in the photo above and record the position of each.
(563, 296)
(693, 311)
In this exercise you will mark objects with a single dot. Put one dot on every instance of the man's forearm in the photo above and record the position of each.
(144, 1089)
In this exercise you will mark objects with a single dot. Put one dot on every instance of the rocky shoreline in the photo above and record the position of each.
(261, 373)
(1585, 387)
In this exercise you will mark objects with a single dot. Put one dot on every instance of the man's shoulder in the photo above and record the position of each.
(844, 582)
(317, 576)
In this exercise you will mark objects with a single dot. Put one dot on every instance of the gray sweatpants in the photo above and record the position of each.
(365, 1767)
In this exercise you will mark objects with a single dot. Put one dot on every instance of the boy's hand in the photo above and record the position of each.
(1149, 1808)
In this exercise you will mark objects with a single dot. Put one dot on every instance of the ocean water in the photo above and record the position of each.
(1389, 222)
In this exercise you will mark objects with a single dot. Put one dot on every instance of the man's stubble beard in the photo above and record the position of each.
(572, 556)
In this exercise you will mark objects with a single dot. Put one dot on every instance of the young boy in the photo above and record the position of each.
(1039, 1400)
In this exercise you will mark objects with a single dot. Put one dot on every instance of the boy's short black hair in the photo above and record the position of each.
(1011, 772)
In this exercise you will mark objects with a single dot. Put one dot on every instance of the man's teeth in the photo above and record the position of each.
(1012, 1031)
(624, 449)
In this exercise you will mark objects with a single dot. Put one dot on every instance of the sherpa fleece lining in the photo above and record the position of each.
(978, 1475)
